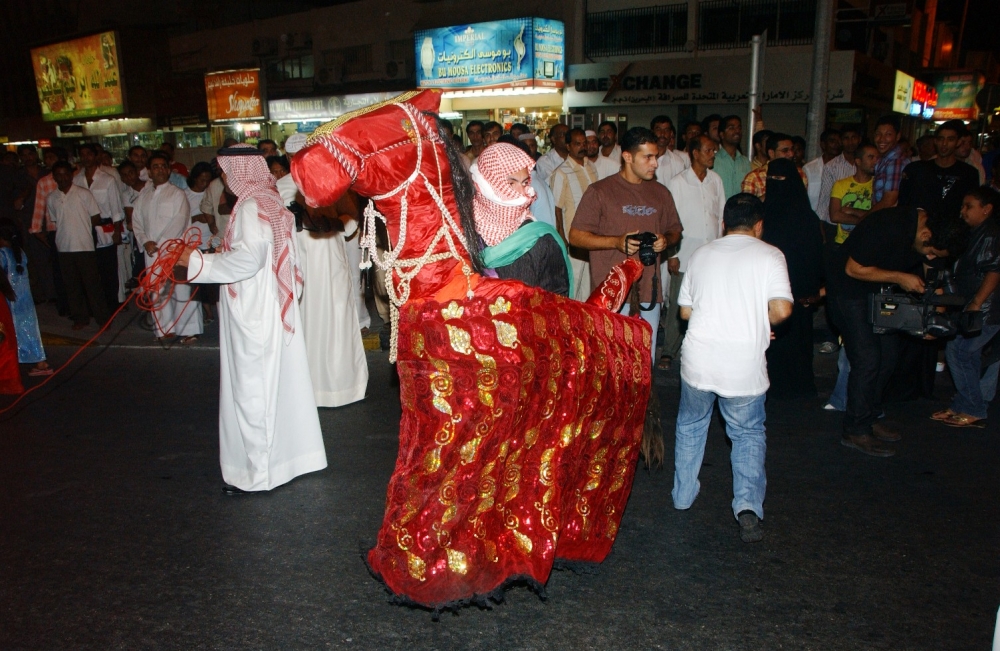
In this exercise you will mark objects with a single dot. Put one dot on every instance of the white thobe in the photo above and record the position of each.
(700, 204)
(814, 172)
(547, 164)
(669, 165)
(269, 429)
(608, 165)
(107, 191)
(352, 242)
(162, 213)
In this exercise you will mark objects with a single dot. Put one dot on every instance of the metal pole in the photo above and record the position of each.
(754, 88)
(816, 117)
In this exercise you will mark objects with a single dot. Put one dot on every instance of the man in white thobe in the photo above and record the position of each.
(568, 182)
(555, 156)
(162, 213)
(269, 429)
(609, 158)
(700, 199)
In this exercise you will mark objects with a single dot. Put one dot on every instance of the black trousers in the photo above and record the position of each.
(83, 285)
(873, 359)
(107, 267)
(62, 297)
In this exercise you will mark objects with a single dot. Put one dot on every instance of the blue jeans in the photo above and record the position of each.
(745, 426)
(652, 317)
(839, 396)
(964, 355)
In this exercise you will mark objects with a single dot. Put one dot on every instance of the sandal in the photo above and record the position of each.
(942, 415)
(664, 363)
(40, 372)
(187, 341)
(964, 420)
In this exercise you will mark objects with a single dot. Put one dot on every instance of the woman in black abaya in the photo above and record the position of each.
(791, 225)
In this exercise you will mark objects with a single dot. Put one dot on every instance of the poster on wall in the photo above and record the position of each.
(516, 53)
(234, 95)
(956, 96)
(79, 79)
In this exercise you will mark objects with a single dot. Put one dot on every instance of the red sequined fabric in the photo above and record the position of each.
(522, 411)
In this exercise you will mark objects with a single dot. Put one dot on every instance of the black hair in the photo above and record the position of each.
(987, 196)
(635, 138)
(742, 212)
(228, 142)
(134, 147)
(511, 140)
(88, 146)
(660, 119)
(799, 140)
(197, 170)
(889, 120)
(864, 145)
(167, 143)
(774, 138)
(489, 126)
(25, 147)
(714, 117)
(573, 131)
(724, 122)
(62, 165)
(464, 190)
(157, 155)
(953, 125)
(280, 160)
(608, 123)
(519, 126)
(474, 123)
(828, 133)
(949, 234)
(266, 141)
(851, 128)
(10, 231)
(761, 136)
(125, 163)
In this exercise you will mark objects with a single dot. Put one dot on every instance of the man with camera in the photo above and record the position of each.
(888, 247)
(736, 287)
(626, 214)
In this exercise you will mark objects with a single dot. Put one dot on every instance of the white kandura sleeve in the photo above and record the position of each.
(248, 256)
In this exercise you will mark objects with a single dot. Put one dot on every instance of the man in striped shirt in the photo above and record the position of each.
(44, 229)
(568, 182)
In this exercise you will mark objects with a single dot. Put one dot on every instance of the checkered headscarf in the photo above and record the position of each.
(249, 178)
(499, 210)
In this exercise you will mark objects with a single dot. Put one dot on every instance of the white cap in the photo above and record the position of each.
(295, 143)
(590, 133)
(526, 136)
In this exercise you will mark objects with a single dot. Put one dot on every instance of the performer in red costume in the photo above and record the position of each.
(522, 410)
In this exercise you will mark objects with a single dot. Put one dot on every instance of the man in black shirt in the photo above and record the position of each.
(938, 185)
(888, 247)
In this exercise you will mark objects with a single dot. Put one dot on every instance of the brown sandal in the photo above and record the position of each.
(942, 415)
(964, 420)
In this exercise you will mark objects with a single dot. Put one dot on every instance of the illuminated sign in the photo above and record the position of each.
(517, 53)
(79, 79)
(902, 94)
(317, 109)
(956, 96)
(234, 95)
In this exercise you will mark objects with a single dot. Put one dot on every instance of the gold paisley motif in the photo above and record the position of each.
(609, 329)
(490, 551)
(468, 451)
(452, 311)
(457, 562)
(612, 529)
(588, 323)
(546, 518)
(506, 333)
(461, 340)
(536, 299)
(596, 469)
(596, 428)
(432, 462)
(628, 335)
(446, 434)
(564, 322)
(416, 566)
(545, 469)
(530, 436)
(417, 344)
(500, 306)
(523, 542)
(646, 340)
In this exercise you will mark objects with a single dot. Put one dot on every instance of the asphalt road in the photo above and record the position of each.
(114, 533)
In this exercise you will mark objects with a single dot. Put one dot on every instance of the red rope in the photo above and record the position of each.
(156, 287)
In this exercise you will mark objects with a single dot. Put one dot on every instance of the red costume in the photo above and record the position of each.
(10, 370)
(522, 410)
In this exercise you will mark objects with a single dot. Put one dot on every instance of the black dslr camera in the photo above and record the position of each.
(893, 310)
(647, 256)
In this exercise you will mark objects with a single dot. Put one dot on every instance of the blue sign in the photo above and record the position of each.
(522, 52)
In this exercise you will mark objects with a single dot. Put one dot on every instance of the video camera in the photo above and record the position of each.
(892, 310)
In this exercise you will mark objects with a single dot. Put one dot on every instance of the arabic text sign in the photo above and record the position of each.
(321, 108)
(79, 79)
(902, 94)
(957, 96)
(234, 95)
(520, 52)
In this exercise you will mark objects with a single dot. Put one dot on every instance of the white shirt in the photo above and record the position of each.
(543, 208)
(608, 165)
(727, 286)
(71, 213)
(161, 213)
(107, 193)
(547, 164)
(699, 205)
(194, 208)
(814, 172)
(287, 188)
(669, 165)
(836, 169)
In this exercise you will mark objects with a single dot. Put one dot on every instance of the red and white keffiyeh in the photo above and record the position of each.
(500, 209)
(249, 178)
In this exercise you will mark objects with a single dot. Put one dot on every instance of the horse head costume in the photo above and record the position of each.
(522, 411)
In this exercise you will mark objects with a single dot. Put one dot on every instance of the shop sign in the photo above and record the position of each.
(706, 80)
(79, 79)
(516, 53)
(117, 127)
(234, 95)
(956, 96)
(902, 93)
(306, 109)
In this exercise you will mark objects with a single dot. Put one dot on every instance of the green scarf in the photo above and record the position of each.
(520, 242)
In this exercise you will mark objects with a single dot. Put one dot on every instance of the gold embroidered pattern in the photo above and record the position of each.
(500, 306)
(452, 311)
(457, 562)
(506, 333)
(461, 340)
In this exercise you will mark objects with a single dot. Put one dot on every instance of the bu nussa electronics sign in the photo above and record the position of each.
(517, 53)
(79, 79)
(234, 95)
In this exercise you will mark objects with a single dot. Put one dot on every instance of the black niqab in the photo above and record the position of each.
(791, 225)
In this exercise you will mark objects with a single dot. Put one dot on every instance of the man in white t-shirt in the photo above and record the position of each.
(735, 289)
(74, 213)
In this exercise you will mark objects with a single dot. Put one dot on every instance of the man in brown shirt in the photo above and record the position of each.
(624, 204)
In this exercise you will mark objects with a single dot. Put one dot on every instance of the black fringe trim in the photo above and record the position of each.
(576, 567)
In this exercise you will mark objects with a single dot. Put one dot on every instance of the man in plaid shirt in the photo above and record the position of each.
(779, 145)
(892, 160)
(44, 229)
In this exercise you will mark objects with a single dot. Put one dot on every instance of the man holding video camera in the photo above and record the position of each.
(889, 247)
(613, 211)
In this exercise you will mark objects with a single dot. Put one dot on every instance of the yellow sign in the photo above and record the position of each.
(79, 79)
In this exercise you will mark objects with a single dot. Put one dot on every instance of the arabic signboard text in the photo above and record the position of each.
(79, 79)
(957, 96)
(234, 95)
(306, 109)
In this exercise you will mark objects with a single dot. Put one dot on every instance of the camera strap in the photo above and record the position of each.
(652, 296)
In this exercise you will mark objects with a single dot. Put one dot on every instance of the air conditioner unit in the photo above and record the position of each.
(330, 75)
(264, 46)
(395, 69)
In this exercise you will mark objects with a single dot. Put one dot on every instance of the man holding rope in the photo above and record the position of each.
(268, 424)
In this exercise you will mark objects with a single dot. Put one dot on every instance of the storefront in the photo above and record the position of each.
(235, 105)
(507, 71)
(689, 89)
(304, 114)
